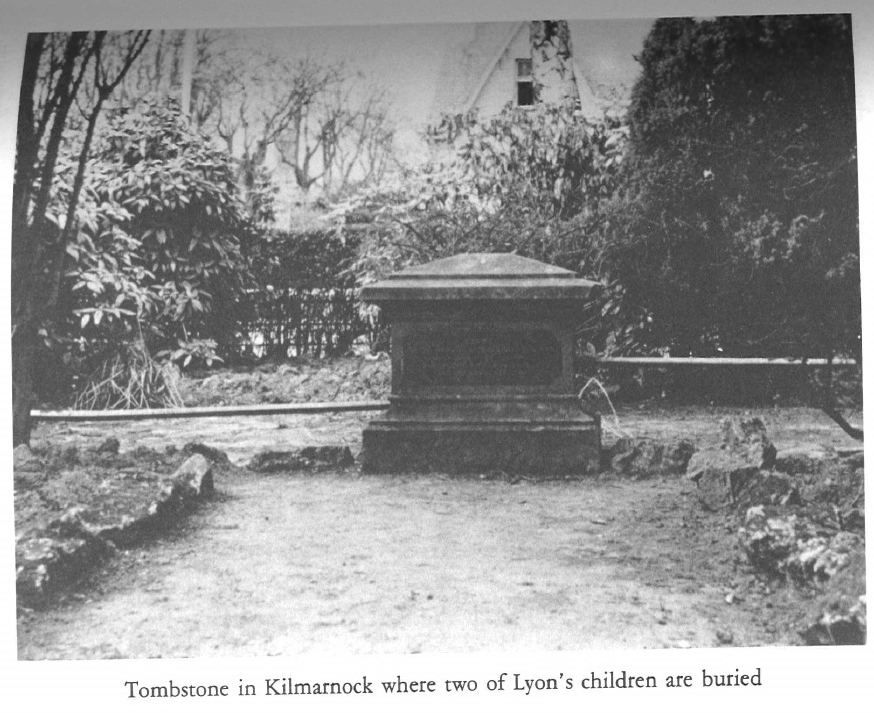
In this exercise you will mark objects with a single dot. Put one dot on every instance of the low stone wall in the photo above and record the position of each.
(800, 515)
(68, 547)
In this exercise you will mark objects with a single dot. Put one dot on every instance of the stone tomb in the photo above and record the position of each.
(482, 349)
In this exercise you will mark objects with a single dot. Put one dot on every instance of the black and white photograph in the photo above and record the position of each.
(486, 334)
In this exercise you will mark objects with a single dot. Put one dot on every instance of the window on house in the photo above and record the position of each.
(524, 83)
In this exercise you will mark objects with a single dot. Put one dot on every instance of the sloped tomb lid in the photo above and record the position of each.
(481, 276)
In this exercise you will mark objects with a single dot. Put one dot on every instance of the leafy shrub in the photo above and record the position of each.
(530, 180)
(547, 159)
(737, 231)
(183, 212)
(160, 242)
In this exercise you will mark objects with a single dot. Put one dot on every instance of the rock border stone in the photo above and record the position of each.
(62, 553)
(641, 458)
(302, 459)
(789, 524)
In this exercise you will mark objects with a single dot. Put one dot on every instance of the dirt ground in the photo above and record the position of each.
(288, 564)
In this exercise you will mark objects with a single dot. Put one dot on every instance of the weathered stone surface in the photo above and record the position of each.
(749, 440)
(28, 480)
(719, 480)
(192, 481)
(28, 469)
(478, 276)
(214, 455)
(643, 458)
(766, 488)
(69, 545)
(309, 458)
(70, 525)
(799, 461)
(339, 456)
(678, 455)
(24, 460)
(820, 558)
(482, 448)
(802, 542)
(195, 476)
(853, 518)
(110, 445)
(839, 626)
(723, 473)
(277, 462)
(769, 538)
(59, 556)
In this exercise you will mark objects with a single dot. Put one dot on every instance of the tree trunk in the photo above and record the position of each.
(188, 51)
(552, 66)
(23, 351)
(23, 337)
(34, 236)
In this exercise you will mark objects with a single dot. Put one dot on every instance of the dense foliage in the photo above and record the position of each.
(530, 180)
(738, 230)
(305, 301)
(546, 159)
(158, 254)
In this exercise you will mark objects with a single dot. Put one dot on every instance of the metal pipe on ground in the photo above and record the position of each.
(353, 406)
(720, 361)
(210, 411)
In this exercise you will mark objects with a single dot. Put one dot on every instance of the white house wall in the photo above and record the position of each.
(500, 87)
(480, 71)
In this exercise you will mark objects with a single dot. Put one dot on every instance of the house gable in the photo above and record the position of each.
(481, 74)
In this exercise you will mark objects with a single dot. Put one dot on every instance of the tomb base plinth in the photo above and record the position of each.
(537, 435)
(533, 448)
